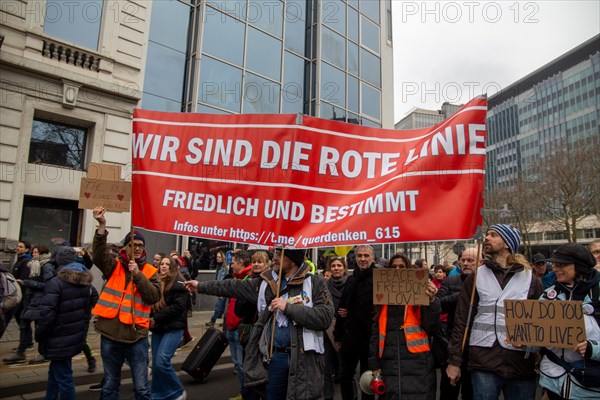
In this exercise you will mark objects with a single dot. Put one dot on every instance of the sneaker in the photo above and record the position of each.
(16, 349)
(39, 359)
(238, 397)
(209, 324)
(183, 396)
(95, 387)
(92, 365)
(185, 342)
(17, 358)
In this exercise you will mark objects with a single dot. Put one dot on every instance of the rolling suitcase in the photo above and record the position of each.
(205, 354)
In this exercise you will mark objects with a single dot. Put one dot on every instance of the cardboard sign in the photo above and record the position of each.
(106, 172)
(557, 323)
(114, 195)
(400, 286)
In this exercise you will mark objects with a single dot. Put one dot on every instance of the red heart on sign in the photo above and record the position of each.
(87, 195)
(420, 274)
(120, 196)
(379, 296)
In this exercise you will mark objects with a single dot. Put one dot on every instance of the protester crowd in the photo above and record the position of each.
(295, 332)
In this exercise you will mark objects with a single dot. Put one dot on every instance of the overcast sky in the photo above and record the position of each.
(451, 50)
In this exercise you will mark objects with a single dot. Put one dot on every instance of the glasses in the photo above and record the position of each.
(560, 265)
(138, 245)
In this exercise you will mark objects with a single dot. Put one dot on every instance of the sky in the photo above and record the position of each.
(455, 50)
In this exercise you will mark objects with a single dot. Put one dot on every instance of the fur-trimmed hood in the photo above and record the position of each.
(76, 274)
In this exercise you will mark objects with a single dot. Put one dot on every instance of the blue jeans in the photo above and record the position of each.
(237, 354)
(219, 309)
(114, 355)
(278, 369)
(165, 384)
(60, 381)
(488, 385)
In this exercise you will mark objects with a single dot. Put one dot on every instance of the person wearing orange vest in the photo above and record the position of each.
(400, 349)
(123, 310)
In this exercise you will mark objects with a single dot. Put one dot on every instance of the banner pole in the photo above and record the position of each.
(131, 248)
(275, 311)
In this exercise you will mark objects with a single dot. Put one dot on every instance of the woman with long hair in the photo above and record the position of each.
(400, 349)
(167, 324)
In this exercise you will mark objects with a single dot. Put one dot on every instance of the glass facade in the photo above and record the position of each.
(320, 58)
(561, 110)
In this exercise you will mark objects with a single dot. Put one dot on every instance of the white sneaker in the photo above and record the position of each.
(183, 396)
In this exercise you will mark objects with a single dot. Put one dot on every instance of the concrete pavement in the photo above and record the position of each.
(21, 381)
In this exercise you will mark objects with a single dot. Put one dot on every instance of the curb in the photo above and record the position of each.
(81, 380)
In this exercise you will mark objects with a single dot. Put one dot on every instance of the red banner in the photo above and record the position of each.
(302, 182)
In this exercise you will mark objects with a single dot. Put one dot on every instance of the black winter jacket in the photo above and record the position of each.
(65, 312)
(34, 290)
(174, 315)
(406, 375)
(448, 296)
(357, 298)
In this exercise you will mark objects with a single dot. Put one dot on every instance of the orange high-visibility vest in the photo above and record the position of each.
(115, 298)
(417, 340)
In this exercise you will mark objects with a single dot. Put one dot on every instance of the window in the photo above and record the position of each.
(263, 54)
(220, 84)
(219, 29)
(76, 22)
(57, 144)
(49, 221)
(261, 96)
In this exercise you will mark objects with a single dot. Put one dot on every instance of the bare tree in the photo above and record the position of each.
(568, 186)
(515, 205)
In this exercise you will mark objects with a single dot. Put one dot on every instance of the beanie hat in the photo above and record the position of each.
(136, 236)
(65, 255)
(573, 253)
(510, 235)
(296, 255)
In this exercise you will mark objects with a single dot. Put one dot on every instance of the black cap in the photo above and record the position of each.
(573, 253)
(538, 258)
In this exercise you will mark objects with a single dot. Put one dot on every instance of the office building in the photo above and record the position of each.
(73, 72)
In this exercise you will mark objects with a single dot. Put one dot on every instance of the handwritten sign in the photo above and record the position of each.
(400, 286)
(114, 195)
(557, 323)
(106, 172)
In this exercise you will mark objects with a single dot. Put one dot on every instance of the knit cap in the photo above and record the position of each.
(65, 255)
(136, 236)
(510, 235)
(296, 255)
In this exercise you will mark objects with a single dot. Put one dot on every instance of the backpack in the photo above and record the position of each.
(11, 291)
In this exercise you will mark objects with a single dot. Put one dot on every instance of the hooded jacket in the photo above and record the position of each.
(65, 312)
(305, 378)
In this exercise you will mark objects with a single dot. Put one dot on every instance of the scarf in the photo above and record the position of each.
(123, 254)
(36, 264)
